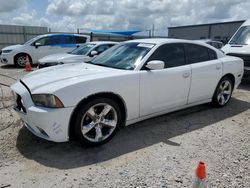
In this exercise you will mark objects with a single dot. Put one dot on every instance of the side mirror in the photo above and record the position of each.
(37, 44)
(93, 53)
(155, 65)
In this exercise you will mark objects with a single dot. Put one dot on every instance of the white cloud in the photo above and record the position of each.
(68, 15)
(141, 14)
(10, 5)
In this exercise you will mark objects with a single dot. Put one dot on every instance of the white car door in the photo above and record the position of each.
(206, 72)
(41, 48)
(167, 88)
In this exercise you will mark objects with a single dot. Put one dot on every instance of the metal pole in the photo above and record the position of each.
(153, 30)
(24, 34)
(91, 36)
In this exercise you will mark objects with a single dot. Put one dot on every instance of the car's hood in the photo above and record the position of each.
(65, 73)
(61, 57)
(13, 47)
(241, 49)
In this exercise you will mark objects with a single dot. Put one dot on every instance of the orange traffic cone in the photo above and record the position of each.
(27, 65)
(200, 176)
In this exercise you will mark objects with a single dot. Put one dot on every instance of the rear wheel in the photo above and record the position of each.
(223, 92)
(97, 121)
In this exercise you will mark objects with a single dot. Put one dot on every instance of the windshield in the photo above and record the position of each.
(83, 49)
(242, 36)
(123, 56)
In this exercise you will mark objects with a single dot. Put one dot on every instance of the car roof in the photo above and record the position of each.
(62, 34)
(208, 40)
(102, 42)
(159, 41)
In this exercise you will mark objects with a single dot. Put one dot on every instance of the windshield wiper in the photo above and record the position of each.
(102, 65)
(89, 62)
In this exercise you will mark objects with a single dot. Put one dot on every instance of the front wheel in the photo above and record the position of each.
(97, 121)
(223, 92)
(21, 59)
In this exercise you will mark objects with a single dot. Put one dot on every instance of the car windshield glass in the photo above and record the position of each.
(123, 56)
(242, 36)
(83, 49)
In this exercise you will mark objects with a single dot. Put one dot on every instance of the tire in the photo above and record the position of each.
(20, 60)
(223, 92)
(97, 122)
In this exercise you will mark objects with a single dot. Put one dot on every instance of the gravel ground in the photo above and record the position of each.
(160, 152)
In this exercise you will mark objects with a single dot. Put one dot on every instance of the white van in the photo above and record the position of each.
(239, 45)
(41, 46)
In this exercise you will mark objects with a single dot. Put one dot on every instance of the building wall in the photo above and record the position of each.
(224, 31)
(14, 34)
(217, 31)
(190, 33)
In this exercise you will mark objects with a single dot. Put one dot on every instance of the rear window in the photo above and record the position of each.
(197, 53)
(212, 54)
(60, 39)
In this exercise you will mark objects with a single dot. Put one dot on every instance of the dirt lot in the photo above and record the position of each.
(160, 152)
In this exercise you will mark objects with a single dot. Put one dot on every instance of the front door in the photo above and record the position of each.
(167, 88)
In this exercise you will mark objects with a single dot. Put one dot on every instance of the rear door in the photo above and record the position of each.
(167, 88)
(206, 72)
(62, 43)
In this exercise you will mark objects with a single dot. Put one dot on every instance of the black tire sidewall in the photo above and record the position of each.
(21, 55)
(82, 111)
(215, 101)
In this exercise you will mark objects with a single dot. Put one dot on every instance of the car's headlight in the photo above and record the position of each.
(47, 100)
(6, 51)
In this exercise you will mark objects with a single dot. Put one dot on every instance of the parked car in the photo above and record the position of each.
(41, 46)
(130, 82)
(239, 46)
(85, 52)
(216, 44)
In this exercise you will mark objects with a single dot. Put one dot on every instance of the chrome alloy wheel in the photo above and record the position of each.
(21, 60)
(224, 92)
(99, 122)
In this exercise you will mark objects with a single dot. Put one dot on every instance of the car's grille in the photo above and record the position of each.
(19, 104)
(246, 58)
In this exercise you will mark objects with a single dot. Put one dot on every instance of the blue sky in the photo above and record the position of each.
(39, 5)
(68, 15)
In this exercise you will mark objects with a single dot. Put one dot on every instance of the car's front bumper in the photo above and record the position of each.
(48, 123)
(6, 58)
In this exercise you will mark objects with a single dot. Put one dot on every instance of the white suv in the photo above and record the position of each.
(41, 46)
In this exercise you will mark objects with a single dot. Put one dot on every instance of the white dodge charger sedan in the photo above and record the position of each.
(129, 82)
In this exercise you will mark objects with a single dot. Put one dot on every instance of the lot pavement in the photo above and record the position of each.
(160, 152)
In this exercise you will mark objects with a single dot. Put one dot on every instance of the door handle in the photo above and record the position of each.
(186, 75)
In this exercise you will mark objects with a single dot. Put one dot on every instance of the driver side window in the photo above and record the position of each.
(173, 55)
(43, 41)
(101, 48)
